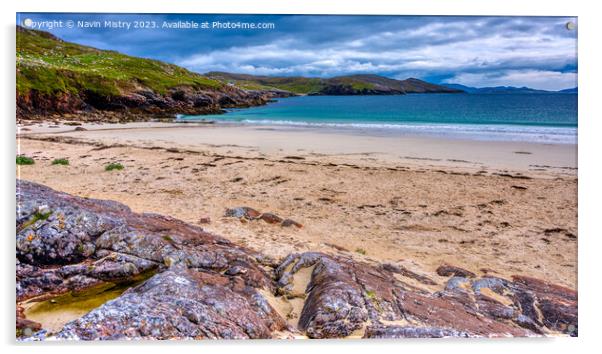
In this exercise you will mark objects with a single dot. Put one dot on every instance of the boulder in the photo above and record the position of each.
(181, 304)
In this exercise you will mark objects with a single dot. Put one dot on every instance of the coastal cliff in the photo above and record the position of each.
(146, 276)
(57, 78)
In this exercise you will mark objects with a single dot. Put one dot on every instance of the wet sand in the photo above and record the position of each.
(500, 208)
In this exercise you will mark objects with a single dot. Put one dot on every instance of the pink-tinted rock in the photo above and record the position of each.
(447, 270)
(203, 286)
(290, 222)
(270, 218)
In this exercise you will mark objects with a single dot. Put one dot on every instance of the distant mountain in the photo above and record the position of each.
(505, 89)
(340, 85)
(570, 90)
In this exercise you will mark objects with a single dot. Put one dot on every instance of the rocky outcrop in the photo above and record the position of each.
(53, 82)
(181, 282)
(182, 303)
(139, 105)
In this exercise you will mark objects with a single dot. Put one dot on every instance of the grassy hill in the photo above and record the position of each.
(59, 77)
(343, 85)
(49, 65)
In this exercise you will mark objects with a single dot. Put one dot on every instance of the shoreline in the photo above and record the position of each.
(255, 140)
(484, 206)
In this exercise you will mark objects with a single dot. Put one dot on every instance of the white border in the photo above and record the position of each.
(590, 135)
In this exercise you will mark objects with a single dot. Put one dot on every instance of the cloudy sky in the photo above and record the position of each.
(538, 52)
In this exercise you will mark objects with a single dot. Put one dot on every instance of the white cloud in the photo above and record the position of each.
(526, 58)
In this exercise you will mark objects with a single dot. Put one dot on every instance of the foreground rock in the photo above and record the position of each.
(206, 287)
(181, 282)
(181, 303)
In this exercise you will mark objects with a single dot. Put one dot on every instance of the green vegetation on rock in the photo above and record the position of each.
(37, 216)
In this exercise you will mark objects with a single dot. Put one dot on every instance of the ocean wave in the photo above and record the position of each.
(541, 134)
(488, 132)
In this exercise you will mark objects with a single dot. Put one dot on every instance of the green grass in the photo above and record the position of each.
(114, 166)
(24, 160)
(63, 162)
(299, 85)
(51, 66)
(355, 84)
(37, 216)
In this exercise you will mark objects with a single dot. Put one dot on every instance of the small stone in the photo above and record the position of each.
(243, 212)
(447, 270)
(290, 222)
(236, 270)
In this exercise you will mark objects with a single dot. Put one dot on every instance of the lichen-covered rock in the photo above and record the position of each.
(335, 304)
(179, 304)
(550, 305)
(186, 283)
(342, 295)
(125, 246)
(411, 332)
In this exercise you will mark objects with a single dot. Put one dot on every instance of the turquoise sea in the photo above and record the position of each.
(546, 118)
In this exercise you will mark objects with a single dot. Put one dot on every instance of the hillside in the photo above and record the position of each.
(505, 90)
(58, 77)
(340, 85)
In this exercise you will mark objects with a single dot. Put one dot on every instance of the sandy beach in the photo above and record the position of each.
(498, 208)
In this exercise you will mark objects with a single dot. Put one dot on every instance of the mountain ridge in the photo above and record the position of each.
(357, 84)
(506, 89)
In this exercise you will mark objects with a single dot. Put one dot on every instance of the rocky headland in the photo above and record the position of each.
(58, 79)
(94, 270)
